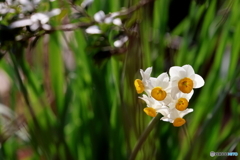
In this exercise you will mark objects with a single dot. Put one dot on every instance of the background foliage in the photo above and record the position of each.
(73, 96)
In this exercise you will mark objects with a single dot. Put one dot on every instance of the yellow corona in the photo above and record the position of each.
(150, 111)
(158, 93)
(185, 85)
(139, 86)
(178, 122)
(181, 104)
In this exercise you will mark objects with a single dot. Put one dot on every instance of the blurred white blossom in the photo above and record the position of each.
(93, 30)
(24, 5)
(100, 17)
(4, 9)
(36, 20)
(86, 3)
(121, 41)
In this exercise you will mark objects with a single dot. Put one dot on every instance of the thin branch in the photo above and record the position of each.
(73, 26)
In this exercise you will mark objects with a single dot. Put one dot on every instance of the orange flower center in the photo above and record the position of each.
(182, 104)
(150, 111)
(139, 86)
(178, 122)
(158, 93)
(185, 85)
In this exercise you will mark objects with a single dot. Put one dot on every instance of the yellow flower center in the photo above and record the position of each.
(150, 111)
(139, 86)
(158, 94)
(178, 122)
(185, 85)
(181, 104)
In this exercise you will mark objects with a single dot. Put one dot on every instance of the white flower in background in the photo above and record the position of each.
(86, 3)
(181, 101)
(36, 20)
(25, 5)
(153, 106)
(117, 21)
(28, 5)
(121, 41)
(175, 116)
(144, 84)
(93, 30)
(4, 9)
(101, 18)
(184, 79)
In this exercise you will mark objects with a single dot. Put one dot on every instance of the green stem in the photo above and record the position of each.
(144, 136)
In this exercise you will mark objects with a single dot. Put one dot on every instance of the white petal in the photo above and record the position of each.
(145, 98)
(174, 82)
(164, 111)
(148, 71)
(86, 3)
(198, 81)
(163, 80)
(146, 74)
(34, 26)
(168, 99)
(174, 113)
(117, 22)
(163, 76)
(174, 92)
(99, 16)
(21, 23)
(46, 27)
(93, 30)
(177, 71)
(184, 95)
(120, 42)
(54, 12)
(43, 18)
(108, 20)
(166, 119)
(114, 14)
(185, 112)
(189, 70)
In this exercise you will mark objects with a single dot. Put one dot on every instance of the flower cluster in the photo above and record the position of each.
(111, 21)
(169, 95)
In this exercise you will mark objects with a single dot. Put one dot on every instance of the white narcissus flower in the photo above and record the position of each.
(174, 116)
(184, 79)
(160, 88)
(181, 101)
(144, 84)
(153, 106)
